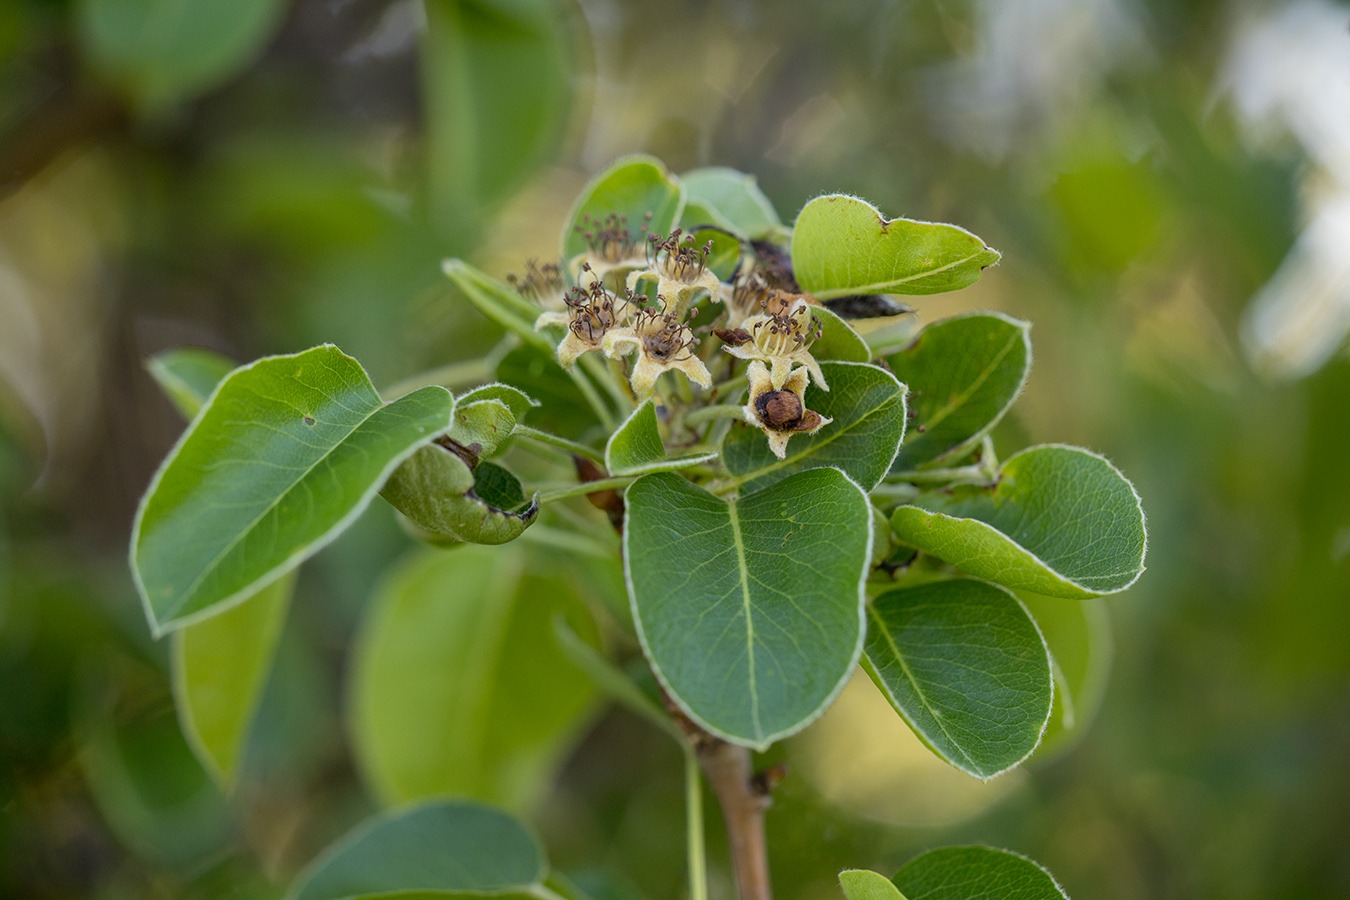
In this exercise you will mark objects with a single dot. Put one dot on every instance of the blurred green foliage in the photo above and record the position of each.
(260, 177)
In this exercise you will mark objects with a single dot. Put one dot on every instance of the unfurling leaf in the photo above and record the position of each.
(440, 494)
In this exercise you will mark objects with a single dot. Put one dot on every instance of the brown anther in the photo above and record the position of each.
(733, 337)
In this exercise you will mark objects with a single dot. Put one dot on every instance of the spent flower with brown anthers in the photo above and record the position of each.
(592, 313)
(662, 342)
(613, 248)
(541, 284)
(780, 410)
(680, 269)
(781, 336)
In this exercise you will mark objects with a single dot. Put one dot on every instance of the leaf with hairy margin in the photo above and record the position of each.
(635, 448)
(1060, 521)
(976, 873)
(966, 667)
(288, 451)
(188, 375)
(864, 884)
(749, 610)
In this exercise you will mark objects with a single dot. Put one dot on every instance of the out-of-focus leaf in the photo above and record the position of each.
(189, 375)
(633, 186)
(842, 245)
(440, 848)
(734, 198)
(439, 493)
(838, 340)
(497, 90)
(1060, 521)
(963, 374)
(290, 450)
(1079, 637)
(220, 668)
(863, 884)
(163, 51)
(867, 405)
(976, 873)
(966, 667)
(459, 686)
(635, 448)
(749, 611)
(497, 301)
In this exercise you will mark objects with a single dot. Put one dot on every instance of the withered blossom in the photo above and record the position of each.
(780, 411)
(679, 268)
(542, 284)
(662, 342)
(613, 249)
(592, 313)
(781, 336)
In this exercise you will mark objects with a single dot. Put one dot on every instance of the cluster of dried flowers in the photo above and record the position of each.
(633, 298)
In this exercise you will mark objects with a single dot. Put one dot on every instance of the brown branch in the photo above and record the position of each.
(743, 796)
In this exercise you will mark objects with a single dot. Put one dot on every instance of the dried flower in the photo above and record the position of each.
(780, 336)
(663, 342)
(541, 284)
(679, 268)
(592, 313)
(780, 411)
(612, 249)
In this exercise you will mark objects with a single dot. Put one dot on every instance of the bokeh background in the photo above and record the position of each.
(1169, 183)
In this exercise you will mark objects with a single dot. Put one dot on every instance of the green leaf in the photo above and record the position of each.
(842, 245)
(867, 405)
(1079, 637)
(863, 884)
(749, 611)
(636, 447)
(965, 666)
(734, 198)
(633, 186)
(440, 494)
(163, 51)
(838, 340)
(563, 409)
(458, 684)
(220, 668)
(976, 873)
(612, 681)
(497, 302)
(963, 374)
(1061, 521)
(189, 375)
(439, 848)
(290, 450)
(516, 400)
(496, 91)
(483, 426)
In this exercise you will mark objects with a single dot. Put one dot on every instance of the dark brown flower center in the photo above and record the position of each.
(780, 410)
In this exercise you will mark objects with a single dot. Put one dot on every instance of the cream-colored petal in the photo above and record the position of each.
(778, 442)
(796, 382)
(760, 382)
(550, 318)
(781, 368)
(817, 376)
(620, 342)
(694, 370)
(571, 347)
(744, 351)
(644, 376)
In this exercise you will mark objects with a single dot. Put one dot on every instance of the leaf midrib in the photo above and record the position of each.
(876, 286)
(749, 621)
(979, 382)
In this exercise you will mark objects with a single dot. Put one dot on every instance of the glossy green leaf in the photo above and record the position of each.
(439, 848)
(1061, 521)
(976, 873)
(635, 448)
(163, 51)
(440, 494)
(965, 666)
(290, 450)
(749, 611)
(458, 683)
(963, 374)
(838, 340)
(867, 405)
(842, 245)
(863, 884)
(496, 90)
(612, 681)
(735, 198)
(1079, 636)
(220, 667)
(633, 186)
(188, 375)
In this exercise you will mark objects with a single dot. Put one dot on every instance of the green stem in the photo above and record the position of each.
(696, 847)
(710, 413)
(735, 383)
(585, 487)
(604, 376)
(543, 437)
(587, 389)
